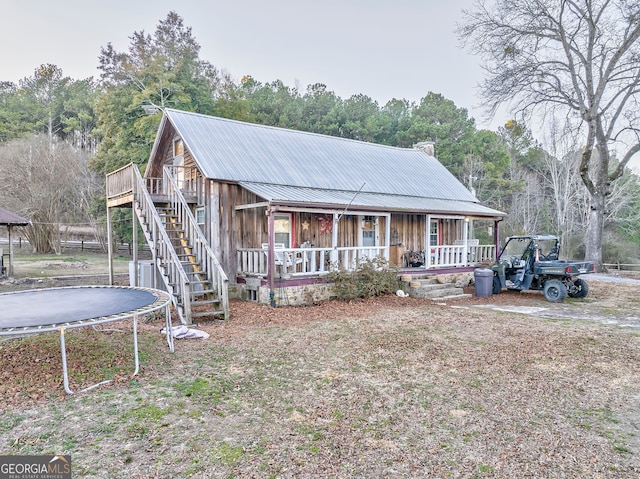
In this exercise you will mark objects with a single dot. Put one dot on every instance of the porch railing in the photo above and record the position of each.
(185, 178)
(457, 255)
(306, 261)
(120, 182)
(318, 261)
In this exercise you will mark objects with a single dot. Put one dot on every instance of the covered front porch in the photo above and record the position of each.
(304, 244)
(307, 261)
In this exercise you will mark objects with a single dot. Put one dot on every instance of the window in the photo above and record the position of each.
(282, 229)
(178, 161)
(368, 231)
(200, 217)
(178, 147)
(433, 233)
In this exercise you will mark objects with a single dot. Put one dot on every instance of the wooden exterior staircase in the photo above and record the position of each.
(180, 252)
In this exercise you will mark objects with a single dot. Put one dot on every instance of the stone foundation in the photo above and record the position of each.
(307, 294)
(297, 295)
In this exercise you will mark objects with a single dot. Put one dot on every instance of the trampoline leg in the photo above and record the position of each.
(65, 374)
(63, 350)
(135, 343)
(168, 327)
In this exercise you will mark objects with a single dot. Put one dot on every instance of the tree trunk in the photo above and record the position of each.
(595, 228)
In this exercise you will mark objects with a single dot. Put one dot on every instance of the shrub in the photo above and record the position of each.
(373, 277)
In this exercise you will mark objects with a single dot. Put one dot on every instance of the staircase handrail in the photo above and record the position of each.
(146, 204)
(203, 252)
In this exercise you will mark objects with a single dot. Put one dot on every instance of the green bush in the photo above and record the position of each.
(373, 277)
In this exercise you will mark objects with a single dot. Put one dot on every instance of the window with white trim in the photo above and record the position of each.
(433, 233)
(282, 229)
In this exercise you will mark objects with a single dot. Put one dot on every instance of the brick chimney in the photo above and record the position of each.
(427, 146)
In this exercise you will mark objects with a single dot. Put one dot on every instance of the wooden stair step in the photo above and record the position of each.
(434, 291)
(203, 292)
(199, 314)
(202, 302)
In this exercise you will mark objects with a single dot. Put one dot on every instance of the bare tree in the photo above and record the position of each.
(526, 200)
(567, 196)
(578, 57)
(48, 183)
(526, 215)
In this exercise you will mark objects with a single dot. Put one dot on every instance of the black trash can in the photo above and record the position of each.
(483, 278)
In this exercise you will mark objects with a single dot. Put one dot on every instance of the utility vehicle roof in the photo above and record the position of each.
(535, 237)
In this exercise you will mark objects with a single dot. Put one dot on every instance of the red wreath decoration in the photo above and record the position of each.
(326, 224)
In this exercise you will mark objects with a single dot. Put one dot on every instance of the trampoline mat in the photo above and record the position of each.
(43, 307)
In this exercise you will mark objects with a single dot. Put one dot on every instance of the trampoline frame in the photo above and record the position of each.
(163, 300)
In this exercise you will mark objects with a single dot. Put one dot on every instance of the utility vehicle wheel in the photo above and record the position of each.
(497, 287)
(555, 291)
(580, 289)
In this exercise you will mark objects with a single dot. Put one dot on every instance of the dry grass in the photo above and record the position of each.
(392, 387)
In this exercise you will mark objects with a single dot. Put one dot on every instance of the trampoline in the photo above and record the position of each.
(58, 309)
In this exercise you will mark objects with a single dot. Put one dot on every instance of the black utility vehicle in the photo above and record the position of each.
(531, 262)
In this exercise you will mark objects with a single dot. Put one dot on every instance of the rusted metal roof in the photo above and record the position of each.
(7, 218)
(310, 166)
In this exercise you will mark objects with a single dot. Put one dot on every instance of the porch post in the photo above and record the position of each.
(334, 240)
(271, 259)
(134, 225)
(496, 237)
(110, 246)
(387, 237)
(10, 269)
(465, 241)
(427, 251)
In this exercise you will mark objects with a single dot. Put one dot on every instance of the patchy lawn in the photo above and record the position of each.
(391, 387)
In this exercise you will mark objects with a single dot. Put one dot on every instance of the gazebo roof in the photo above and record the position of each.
(7, 218)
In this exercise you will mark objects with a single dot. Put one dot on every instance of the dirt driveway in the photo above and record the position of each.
(613, 300)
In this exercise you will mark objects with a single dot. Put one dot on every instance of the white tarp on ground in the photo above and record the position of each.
(182, 332)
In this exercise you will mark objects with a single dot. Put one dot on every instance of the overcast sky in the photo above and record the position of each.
(381, 48)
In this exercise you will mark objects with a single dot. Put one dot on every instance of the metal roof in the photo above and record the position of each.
(311, 168)
(8, 218)
(319, 198)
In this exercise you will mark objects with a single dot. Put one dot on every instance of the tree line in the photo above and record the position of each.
(60, 136)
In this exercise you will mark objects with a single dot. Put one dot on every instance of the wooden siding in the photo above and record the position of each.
(409, 230)
(308, 227)
(228, 229)
(451, 230)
